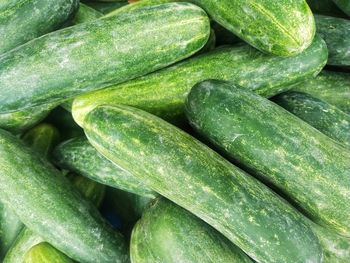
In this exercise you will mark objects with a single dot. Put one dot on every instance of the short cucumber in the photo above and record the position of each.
(323, 116)
(182, 169)
(51, 211)
(45, 253)
(336, 33)
(78, 64)
(23, 20)
(80, 156)
(163, 93)
(277, 147)
(333, 87)
(168, 233)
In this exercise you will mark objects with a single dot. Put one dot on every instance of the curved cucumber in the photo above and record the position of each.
(333, 87)
(23, 20)
(78, 64)
(336, 33)
(323, 116)
(51, 211)
(344, 5)
(45, 253)
(80, 156)
(277, 147)
(168, 233)
(182, 169)
(163, 93)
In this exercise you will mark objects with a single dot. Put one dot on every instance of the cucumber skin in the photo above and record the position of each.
(336, 33)
(80, 156)
(23, 20)
(323, 116)
(344, 5)
(22, 174)
(277, 147)
(168, 233)
(333, 87)
(141, 142)
(78, 64)
(45, 253)
(163, 93)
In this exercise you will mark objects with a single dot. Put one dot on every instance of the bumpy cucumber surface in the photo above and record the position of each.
(336, 33)
(333, 87)
(182, 169)
(56, 212)
(23, 20)
(45, 253)
(278, 147)
(323, 116)
(168, 233)
(80, 156)
(97, 54)
(163, 93)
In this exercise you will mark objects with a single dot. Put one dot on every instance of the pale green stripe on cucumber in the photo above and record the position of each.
(182, 169)
(163, 93)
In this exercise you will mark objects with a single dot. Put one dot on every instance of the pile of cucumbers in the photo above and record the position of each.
(164, 131)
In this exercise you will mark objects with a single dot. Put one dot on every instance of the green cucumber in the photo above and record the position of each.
(323, 116)
(51, 211)
(277, 147)
(182, 169)
(344, 5)
(283, 28)
(325, 7)
(85, 14)
(80, 156)
(163, 93)
(336, 33)
(23, 20)
(45, 253)
(333, 87)
(168, 233)
(78, 64)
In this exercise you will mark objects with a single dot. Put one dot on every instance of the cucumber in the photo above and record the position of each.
(45, 253)
(163, 93)
(80, 156)
(283, 28)
(23, 20)
(323, 116)
(168, 233)
(78, 64)
(333, 87)
(325, 7)
(182, 169)
(51, 211)
(277, 147)
(336, 33)
(85, 14)
(344, 5)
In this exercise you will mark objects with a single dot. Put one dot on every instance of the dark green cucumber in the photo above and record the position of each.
(276, 146)
(23, 20)
(323, 116)
(344, 5)
(80, 156)
(85, 14)
(336, 33)
(45, 253)
(283, 28)
(182, 169)
(333, 87)
(78, 64)
(163, 93)
(56, 212)
(325, 7)
(168, 233)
